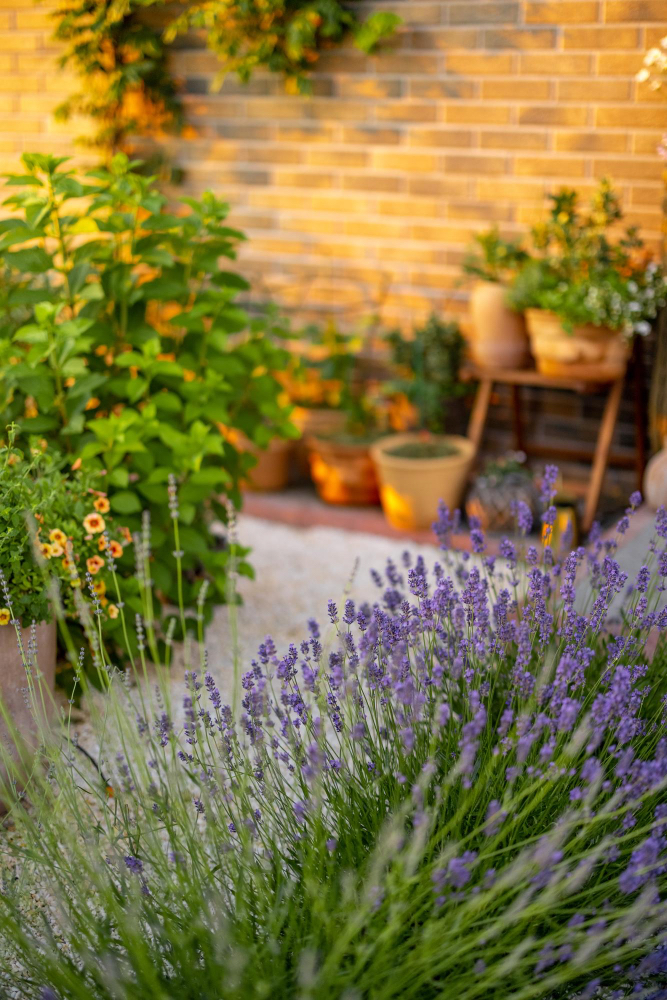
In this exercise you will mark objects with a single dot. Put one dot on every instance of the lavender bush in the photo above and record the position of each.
(457, 789)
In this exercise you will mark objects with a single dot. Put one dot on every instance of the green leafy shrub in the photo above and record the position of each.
(429, 363)
(585, 275)
(136, 359)
(493, 258)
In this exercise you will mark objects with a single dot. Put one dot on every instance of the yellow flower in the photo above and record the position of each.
(67, 562)
(94, 523)
(30, 408)
(94, 564)
(101, 505)
(99, 586)
(57, 536)
(45, 549)
(5, 616)
(112, 611)
(75, 582)
(56, 550)
(69, 382)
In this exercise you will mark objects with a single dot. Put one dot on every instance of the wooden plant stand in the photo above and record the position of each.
(602, 455)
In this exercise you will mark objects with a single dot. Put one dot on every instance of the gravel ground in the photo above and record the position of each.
(297, 571)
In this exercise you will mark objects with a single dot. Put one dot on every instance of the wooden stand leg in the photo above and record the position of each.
(640, 411)
(602, 447)
(517, 419)
(479, 412)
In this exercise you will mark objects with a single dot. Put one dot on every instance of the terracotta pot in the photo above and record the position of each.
(343, 473)
(410, 488)
(14, 686)
(498, 338)
(589, 351)
(314, 422)
(272, 469)
(655, 479)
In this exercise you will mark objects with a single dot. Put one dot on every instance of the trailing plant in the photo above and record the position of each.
(493, 258)
(122, 62)
(74, 532)
(428, 365)
(584, 275)
(283, 36)
(455, 788)
(137, 359)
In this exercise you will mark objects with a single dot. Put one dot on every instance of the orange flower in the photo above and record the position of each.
(45, 549)
(166, 357)
(57, 536)
(101, 543)
(56, 550)
(94, 564)
(101, 505)
(67, 563)
(189, 376)
(76, 464)
(94, 523)
(101, 350)
(112, 611)
(126, 533)
(116, 549)
(92, 403)
(5, 616)
(30, 408)
(69, 382)
(99, 586)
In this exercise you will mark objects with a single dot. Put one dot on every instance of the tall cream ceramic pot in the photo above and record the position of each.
(498, 338)
(15, 688)
(411, 488)
(594, 351)
(655, 479)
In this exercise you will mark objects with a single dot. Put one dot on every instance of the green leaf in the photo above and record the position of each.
(33, 260)
(125, 502)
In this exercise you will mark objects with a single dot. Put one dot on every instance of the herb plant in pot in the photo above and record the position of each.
(584, 293)
(498, 337)
(417, 469)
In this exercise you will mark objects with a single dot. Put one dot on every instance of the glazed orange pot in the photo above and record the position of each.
(343, 472)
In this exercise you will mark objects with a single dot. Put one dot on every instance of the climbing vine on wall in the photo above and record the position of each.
(119, 49)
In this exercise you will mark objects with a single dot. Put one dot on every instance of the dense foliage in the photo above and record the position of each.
(456, 788)
(73, 529)
(585, 275)
(135, 358)
(429, 364)
(492, 258)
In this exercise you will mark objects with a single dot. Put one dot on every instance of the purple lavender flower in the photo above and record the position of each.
(133, 864)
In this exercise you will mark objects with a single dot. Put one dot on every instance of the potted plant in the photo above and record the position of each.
(73, 536)
(419, 468)
(586, 294)
(498, 337)
(493, 495)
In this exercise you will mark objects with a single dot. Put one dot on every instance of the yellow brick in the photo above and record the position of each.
(483, 13)
(371, 134)
(418, 162)
(561, 11)
(646, 220)
(355, 111)
(7, 104)
(403, 63)
(336, 157)
(286, 178)
(476, 63)
(474, 165)
(310, 224)
(410, 207)
(417, 13)
(404, 111)
(510, 190)
(519, 139)
(634, 10)
(438, 187)
(630, 169)
(21, 84)
(278, 199)
(593, 90)
(646, 142)
(549, 167)
(591, 142)
(13, 42)
(5, 63)
(555, 64)
(530, 215)
(489, 211)
(600, 38)
(632, 116)
(334, 203)
(514, 38)
(619, 63)
(373, 182)
(550, 114)
(21, 125)
(441, 233)
(369, 86)
(279, 246)
(440, 137)
(43, 104)
(266, 154)
(384, 229)
(476, 114)
(302, 132)
(510, 90)
(29, 20)
(645, 194)
(443, 89)
(447, 38)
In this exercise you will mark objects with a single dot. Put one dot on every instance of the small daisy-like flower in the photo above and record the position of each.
(56, 550)
(102, 543)
(112, 611)
(127, 534)
(115, 549)
(6, 617)
(94, 523)
(67, 563)
(57, 536)
(99, 586)
(94, 564)
(101, 505)
(46, 550)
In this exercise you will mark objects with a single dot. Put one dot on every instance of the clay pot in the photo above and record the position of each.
(272, 469)
(498, 338)
(411, 488)
(655, 479)
(14, 687)
(314, 421)
(343, 472)
(589, 351)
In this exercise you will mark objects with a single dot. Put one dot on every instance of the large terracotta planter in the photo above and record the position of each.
(343, 472)
(498, 338)
(411, 488)
(314, 421)
(272, 469)
(14, 686)
(589, 351)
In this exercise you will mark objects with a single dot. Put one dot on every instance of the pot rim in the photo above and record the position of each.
(465, 452)
(533, 310)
